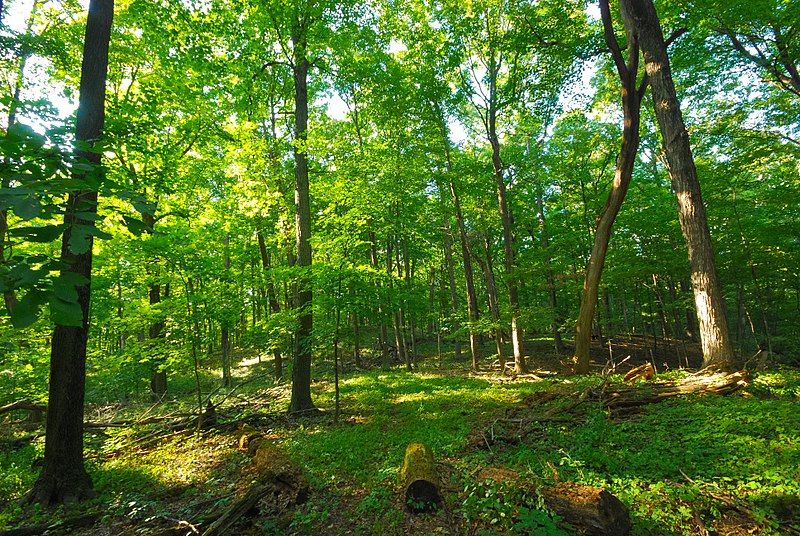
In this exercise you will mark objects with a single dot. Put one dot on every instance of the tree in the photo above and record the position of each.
(632, 92)
(642, 20)
(63, 477)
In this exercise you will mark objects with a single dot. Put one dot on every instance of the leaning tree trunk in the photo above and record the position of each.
(301, 370)
(64, 477)
(641, 18)
(631, 107)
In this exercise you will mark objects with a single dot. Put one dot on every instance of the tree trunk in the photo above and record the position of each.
(9, 296)
(274, 306)
(469, 276)
(491, 293)
(508, 249)
(451, 279)
(552, 296)
(225, 338)
(640, 17)
(631, 107)
(64, 478)
(383, 334)
(490, 122)
(301, 369)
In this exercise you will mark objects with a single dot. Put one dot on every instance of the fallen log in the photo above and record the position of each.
(519, 423)
(645, 371)
(64, 526)
(279, 484)
(586, 510)
(23, 404)
(420, 479)
(626, 400)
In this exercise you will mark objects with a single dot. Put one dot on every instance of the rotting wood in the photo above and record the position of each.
(645, 371)
(583, 509)
(630, 399)
(420, 479)
(587, 509)
(519, 423)
(279, 484)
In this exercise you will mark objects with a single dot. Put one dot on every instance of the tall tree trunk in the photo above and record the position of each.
(451, 279)
(9, 296)
(158, 376)
(641, 18)
(301, 369)
(383, 336)
(494, 308)
(552, 296)
(225, 338)
(490, 123)
(466, 256)
(274, 306)
(631, 107)
(63, 477)
(508, 248)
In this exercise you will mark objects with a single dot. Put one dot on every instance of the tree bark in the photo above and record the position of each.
(64, 477)
(641, 18)
(301, 369)
(508, 246)
(451, 279)
(383, 334)
(225, 338)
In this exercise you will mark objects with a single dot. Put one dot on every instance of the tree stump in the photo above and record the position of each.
(419, 478)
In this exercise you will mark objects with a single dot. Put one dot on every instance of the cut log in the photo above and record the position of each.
(588, 510)
(583, 509)
(645, 371)
(420, 479)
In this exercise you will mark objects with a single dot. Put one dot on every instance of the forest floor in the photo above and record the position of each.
(688, 465)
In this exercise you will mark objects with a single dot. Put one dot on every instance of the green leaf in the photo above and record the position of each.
(27, 309)
(41, 233)
(26, 207)
(136, 226)
(66, 313)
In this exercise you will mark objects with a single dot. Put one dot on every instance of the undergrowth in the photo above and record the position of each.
(666, 464)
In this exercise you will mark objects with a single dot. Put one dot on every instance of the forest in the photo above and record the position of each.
(396, 267)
